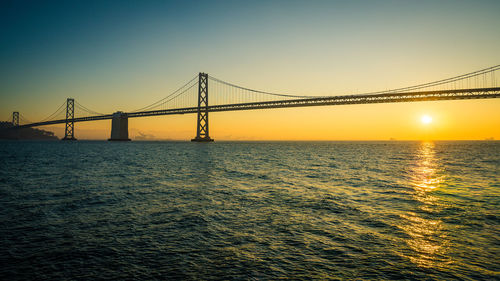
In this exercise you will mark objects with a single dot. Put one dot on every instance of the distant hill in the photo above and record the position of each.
(7, 132)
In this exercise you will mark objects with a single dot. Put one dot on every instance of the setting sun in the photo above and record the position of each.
(426, 119)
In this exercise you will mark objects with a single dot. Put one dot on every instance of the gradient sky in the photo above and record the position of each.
(121, 55)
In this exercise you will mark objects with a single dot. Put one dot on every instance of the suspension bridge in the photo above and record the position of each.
(193, 98)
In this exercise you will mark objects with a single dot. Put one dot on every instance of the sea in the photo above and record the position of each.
(388, 210)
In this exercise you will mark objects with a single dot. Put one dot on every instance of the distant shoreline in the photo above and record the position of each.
(7, 132)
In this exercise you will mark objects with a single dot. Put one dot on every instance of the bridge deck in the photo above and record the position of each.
(458, 94)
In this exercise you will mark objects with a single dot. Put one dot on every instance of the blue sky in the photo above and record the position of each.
(115, 55)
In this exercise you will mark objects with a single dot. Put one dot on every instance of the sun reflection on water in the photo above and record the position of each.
(424, 173)
(425, 231)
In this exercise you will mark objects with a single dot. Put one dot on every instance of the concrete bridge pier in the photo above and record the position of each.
(119, 127)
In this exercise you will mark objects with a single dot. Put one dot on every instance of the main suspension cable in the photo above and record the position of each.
(256, 91)
(26, 120)
(87, 110)
(404, 89)
(439, 82)
(158, 103)
(55, 113)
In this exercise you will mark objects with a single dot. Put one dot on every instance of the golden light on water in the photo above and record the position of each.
(422, 230)
(424, 173)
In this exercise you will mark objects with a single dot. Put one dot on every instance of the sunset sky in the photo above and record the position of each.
(121, 55)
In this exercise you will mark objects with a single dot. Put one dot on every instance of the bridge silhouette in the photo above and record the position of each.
(193, 98)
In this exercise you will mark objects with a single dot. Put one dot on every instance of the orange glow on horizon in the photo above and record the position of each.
(451, 120)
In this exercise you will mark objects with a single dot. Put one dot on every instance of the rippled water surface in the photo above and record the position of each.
(260, 210)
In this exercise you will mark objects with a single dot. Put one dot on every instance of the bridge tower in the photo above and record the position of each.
(202, 122)
(15, 118)
(70, 120)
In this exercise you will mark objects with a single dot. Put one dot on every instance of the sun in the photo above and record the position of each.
(426, 119)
